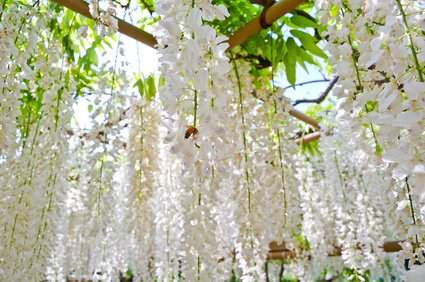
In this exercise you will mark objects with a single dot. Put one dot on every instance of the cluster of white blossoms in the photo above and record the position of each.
(142, 180)
(104, 13)
(33, 146)
(263, 174)
(95, 229)
(194, 66)
(361, 203)
(233, 163)
(194, 95)
(194, 184)
(378, 50)
(346, 207)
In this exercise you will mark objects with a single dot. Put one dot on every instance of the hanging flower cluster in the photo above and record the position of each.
(377, 48)
(36, 108)
(264, 157)
(142, 174)
(91, 202)
(95, 230)
(194, 66)
(346, 206)
(104, 14)
(220, 146)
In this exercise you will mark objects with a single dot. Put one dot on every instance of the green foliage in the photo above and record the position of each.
(354, 275)
(146, 87)
(302, 21)
(275, 45)
(290, 60)
(233, 277)
(309, 43)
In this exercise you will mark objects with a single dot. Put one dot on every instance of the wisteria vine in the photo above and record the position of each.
(194, 183)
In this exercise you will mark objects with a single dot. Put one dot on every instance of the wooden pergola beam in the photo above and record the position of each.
(272, 14)
(308, 138)
(280, 252)
(305, 118)
(81, 7)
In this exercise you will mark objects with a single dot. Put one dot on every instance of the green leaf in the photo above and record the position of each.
(90, 108)
(150, 87)
(290, 60)
(300, 61)
(334, 11)
(161, 81)
(93, 57)
(280, 52)
(306, 57)
(309, 43)
(140, 87)
(303, 21)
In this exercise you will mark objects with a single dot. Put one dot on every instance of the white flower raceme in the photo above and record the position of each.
(194, 95)
(377, 49)
(318, 224)
(104, 13)
(362, 221)
(342, 209)
(33, 171)
(261, 173)
(142, 179)
(97, 220)
(194, 66)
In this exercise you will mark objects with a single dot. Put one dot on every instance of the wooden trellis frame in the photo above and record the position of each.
(280, 252)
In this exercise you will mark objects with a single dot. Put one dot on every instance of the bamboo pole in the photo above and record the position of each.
(280, 252)
(305, 118)
(273, 13)
(81, 7)
(308, 138)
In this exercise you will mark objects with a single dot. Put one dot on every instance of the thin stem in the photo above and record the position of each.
(341, 180)
(243, 133)
(266, 270)
(409, 37)
(412, 210)
(2, 8)
(99, 192)
(353, 56)
(307, 82)
(199, 268)
(13, 231)
(195, 107)
(282, 170)
(378, 149)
